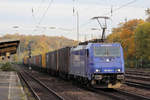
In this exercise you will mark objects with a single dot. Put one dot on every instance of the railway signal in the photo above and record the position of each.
(29, 54)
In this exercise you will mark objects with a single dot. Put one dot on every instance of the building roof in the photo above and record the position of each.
(8, 46)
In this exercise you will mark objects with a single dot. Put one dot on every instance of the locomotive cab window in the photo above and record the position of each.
(107, 51)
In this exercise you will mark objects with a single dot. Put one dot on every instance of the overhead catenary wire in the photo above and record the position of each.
(38, 9)
(33, 15)
(124, 5)
(35, 12)
(44, 14)
(89, 21)
(112, 11)
(38, 20)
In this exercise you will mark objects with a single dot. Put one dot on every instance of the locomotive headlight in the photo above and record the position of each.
(97, 70)
(118, 70)
(107, 60)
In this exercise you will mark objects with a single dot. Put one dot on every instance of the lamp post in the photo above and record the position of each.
(29, 54)
(75, 11)
(77, 26)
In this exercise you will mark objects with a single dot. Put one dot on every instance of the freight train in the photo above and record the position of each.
(94, 64)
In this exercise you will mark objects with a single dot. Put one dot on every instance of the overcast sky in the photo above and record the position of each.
(27, 14)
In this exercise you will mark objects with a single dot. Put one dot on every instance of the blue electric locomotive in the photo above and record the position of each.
(100, 64)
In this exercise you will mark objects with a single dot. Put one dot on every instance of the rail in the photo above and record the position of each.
(36, 86)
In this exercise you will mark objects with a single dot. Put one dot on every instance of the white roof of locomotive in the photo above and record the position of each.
(81, 47)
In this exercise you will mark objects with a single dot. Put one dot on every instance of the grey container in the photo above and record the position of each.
(64, 60)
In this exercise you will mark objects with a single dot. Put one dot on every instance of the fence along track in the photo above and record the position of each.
(38, 89)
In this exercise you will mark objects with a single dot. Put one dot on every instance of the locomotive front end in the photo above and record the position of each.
(107, 65)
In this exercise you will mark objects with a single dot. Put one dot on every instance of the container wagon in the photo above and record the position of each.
(95, 64)
(64, 62)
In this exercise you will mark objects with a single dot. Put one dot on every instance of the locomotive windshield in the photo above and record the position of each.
(107, 51)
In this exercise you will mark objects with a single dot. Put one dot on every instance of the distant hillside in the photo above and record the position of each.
(40, 43)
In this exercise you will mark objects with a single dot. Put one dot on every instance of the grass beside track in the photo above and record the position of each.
(7, 67)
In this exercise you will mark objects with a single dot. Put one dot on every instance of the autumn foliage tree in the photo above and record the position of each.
(39, 43)
(125, 34)
(142, 41)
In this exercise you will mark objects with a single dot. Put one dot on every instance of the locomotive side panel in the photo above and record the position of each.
(78, 63)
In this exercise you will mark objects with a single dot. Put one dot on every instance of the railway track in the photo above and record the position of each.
(117, 94)
(138, 71)
(138, 85)
(140, 74)
(120, 94)
(112, 93)
(38, 89)
(138, 77)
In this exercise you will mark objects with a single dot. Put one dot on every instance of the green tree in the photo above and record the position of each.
(142, 40)
(148, 14)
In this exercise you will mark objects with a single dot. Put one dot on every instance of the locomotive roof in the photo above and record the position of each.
(80, 47)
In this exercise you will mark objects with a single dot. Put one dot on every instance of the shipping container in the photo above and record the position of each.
(51, 62)
(54, 62)
(48, 62)
(38, 61)
(44, 61)
(31, 60)
(25, 60)
(63, 61)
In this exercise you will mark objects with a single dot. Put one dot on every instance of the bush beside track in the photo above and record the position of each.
(7, 67)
